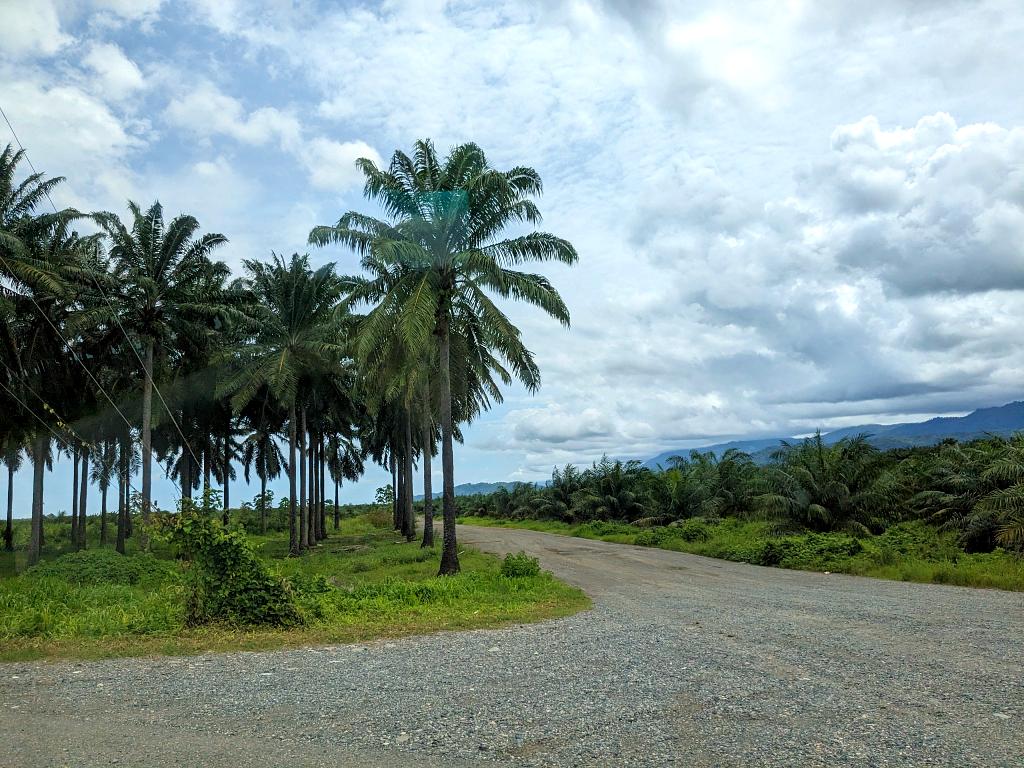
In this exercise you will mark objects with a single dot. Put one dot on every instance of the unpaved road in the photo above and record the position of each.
(683, 661)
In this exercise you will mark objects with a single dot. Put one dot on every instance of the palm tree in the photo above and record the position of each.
(260, 450)
(103, 473)
(297, 336)
(165, 296)
(438, 256)
(825, 487)
(12, 457)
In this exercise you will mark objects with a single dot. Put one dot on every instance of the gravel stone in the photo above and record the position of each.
(682, 661)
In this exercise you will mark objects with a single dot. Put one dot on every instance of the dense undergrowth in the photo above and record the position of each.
(363, 582)
(910, 551)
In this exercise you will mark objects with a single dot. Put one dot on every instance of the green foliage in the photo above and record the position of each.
(385, 495)
(103, 566)
(520, 565)
(227, 581)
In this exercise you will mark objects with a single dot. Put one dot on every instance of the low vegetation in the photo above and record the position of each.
(950, 514)
(208, 588)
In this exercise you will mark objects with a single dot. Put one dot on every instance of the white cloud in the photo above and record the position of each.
(204, 110)
(31, 29)
(116, 75)
(332, 164)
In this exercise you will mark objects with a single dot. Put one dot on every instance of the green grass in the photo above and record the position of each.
(905, 552)
(361, 584)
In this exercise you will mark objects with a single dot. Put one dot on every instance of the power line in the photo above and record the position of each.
(117, 319)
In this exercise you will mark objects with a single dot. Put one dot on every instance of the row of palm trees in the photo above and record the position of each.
(974, 488)
(133, 346)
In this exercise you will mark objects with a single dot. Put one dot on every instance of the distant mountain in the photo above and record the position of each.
(469, 489)
(1001, 420)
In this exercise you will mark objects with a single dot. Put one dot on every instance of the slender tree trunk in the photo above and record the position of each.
(147, 445)
(400, 496)
(394, 488)
(186, 476)
(227, 476)
(103, 515)
(74, 497)
(227, 469)
(337, 510)
(263, 501)
(314, 491)
(303, 510)
(293, 537)
(83, 500)
(122, 492)
(323, 489)
(9, 528)
(428, 501)
(410, 514)
(449, 548)
(35, 546)
(207, 471)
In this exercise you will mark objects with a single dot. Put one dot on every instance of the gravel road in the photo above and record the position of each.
(683, 661)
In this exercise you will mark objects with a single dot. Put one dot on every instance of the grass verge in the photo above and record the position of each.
(364, 583)
(912, 551)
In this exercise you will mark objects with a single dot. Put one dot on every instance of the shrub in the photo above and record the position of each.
(520, 565)
(227, 581)
(380, 517)
(103, 566)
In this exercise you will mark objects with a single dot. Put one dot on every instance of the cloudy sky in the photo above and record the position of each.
(789, 214)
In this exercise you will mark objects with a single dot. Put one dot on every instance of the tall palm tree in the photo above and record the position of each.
(12, 456)
(260, 450)
(165, 296)
(297, 336)
(441, 253)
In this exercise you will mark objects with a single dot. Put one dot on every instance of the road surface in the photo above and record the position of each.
(682, 661)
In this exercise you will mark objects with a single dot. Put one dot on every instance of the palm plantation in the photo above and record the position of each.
(432, 264)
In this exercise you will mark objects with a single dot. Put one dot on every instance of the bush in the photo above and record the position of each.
(520, 565)
(227, 581)
(103, 566)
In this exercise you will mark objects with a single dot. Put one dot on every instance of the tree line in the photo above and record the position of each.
(975, 488)
(129, 345)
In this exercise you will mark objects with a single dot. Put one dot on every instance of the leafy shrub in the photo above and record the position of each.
(227, 581)
(520, 565)
(103, 566)
(599, 528)
(380, 517)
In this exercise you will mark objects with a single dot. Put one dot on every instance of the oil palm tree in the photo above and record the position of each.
(12, 456)
(168, 293)
(442, 252)
(298, 335)
(260, 450)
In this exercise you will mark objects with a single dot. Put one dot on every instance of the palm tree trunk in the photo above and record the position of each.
(293, 538)
(428, 501)
(314, 487)
(337, 511)
(35, 545)
(207, 471)
(303, 511)
(186, 476)
(147, 443)
(410, 514)
(400, 496)
(83, 499)
(103, 514)
(323, 487)
(227, 475)
(263, 502)
(74, 497)
(9, 528)
(122, 506)
(394, 489)
(449, 547)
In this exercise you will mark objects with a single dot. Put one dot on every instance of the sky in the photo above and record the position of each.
(789, 215)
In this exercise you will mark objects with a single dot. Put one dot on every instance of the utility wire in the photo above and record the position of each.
(117, 319)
